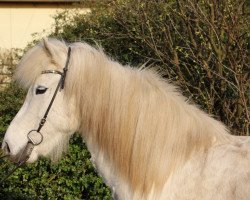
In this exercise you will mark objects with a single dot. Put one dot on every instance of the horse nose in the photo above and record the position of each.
(6, 148)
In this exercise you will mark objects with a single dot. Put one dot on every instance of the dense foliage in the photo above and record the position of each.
(200, 45)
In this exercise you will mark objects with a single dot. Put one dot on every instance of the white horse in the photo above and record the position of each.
(146, 140)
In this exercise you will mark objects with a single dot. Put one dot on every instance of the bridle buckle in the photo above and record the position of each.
(42, 122)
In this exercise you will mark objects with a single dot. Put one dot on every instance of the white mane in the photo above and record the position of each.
(141, 122)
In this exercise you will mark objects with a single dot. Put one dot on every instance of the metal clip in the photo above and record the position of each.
(42, 122)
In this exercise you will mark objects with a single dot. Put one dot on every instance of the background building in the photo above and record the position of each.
(19, 19)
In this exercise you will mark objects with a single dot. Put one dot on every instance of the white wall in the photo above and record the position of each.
(18, 22)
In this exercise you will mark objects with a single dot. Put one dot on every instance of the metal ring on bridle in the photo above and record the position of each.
(35, 139)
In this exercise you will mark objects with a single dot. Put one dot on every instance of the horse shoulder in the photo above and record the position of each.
(220, 173)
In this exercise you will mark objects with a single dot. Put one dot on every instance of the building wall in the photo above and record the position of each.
(18, 21)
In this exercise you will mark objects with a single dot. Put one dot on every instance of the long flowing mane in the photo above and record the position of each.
(143, 124)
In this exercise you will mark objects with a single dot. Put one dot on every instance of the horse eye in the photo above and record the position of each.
(41, 89)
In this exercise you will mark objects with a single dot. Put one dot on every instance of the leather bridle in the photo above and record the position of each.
(35, 136)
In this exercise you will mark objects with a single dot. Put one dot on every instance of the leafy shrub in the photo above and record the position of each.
(10, 101)
(202, 46)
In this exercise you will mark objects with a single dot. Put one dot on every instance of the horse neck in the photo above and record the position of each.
(142, 126)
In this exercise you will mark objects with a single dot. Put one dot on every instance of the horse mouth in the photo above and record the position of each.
(15, 158)
(20, 157)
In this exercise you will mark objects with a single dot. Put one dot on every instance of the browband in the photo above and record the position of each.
(65, 69)
(52, 72)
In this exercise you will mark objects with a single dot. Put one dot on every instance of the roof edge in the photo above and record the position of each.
(41, 1)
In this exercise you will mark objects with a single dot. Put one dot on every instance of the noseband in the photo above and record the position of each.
(35, 137)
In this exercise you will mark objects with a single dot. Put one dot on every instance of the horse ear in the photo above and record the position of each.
(50, 49)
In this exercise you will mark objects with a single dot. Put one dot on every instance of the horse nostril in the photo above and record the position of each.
(6, 148)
